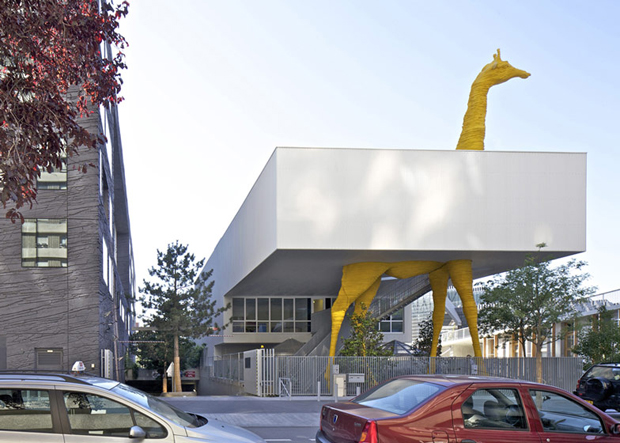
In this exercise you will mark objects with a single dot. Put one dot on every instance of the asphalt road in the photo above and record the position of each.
(274, 419)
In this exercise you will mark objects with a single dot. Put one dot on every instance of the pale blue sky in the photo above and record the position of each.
(214, 86)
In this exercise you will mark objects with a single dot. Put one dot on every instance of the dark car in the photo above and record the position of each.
(447, 409)
(601, 385)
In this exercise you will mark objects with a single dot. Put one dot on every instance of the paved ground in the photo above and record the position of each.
(255, 412)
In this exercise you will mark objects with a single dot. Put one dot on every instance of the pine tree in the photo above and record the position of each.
(178, 301)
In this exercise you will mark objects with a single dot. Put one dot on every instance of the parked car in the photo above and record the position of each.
(601, 385)
(442, 409)
(45, 408)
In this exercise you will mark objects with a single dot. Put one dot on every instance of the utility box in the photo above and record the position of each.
(356, 378)
(340, 384)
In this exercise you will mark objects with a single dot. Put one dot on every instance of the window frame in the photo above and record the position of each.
(37, 260)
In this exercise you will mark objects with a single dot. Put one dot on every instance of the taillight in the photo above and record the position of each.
(369, 434)
(323, 414)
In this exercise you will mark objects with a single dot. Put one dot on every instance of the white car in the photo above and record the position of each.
(45, 408)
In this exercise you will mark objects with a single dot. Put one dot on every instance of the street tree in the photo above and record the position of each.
(366, 340)
(178, 300)
(154, 351)
(423, 345)
(59, 61)
(599, 342)
(524, 304)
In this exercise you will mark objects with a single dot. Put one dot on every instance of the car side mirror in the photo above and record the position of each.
(137, 432)
(615, 429)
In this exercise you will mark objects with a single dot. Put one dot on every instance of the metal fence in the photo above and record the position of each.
(290, 375)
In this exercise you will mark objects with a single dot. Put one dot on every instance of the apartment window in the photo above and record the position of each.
(271, 314)
(55, 179)
(392, 323)
(44, 243)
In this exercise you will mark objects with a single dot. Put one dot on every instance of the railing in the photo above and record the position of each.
(306, 375)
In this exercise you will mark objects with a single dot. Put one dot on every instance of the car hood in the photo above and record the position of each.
(217, 431)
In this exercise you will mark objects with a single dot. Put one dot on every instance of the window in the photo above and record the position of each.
(91, 414)
(56, 178)
(560, 414)
(494, 409)
(392, 323)
(271, 314)
(25, 410)
(44, 243)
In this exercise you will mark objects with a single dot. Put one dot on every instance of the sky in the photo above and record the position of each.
(213, 87)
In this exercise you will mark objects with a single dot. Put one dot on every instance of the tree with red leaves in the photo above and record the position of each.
(59, 61)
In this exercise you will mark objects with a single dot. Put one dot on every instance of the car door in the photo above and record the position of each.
(492, 414)
(26, 415)
(565, 420)
(93, 418)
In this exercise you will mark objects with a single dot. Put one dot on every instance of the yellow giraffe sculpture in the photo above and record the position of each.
(360, 281)
(496, 72)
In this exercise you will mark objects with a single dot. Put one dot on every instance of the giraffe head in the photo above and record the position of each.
(499, 71)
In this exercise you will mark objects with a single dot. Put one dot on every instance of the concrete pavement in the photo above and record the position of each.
(255, 412)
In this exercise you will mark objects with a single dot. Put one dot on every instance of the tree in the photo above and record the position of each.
(153, 350)
(178, 302)
(366, 340)
(423, 344)
(600, 342)
(524, 304)
(56, 66)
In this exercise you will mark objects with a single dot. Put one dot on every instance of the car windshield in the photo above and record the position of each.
(164, 409)
(399, 396)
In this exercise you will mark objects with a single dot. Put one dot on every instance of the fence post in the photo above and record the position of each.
(318, 391)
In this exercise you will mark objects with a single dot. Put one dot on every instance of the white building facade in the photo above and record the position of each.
(314, 210)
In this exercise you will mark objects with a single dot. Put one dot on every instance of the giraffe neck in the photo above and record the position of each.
(472, 135)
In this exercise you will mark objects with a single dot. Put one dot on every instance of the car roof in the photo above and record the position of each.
(82, 379)
(452, 380)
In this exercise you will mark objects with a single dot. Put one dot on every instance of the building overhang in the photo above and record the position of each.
(312, 211)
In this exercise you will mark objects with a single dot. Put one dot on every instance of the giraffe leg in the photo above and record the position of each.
(339, 308)
(357, 279)
(439, 286)
(461, 275)
(362, 303)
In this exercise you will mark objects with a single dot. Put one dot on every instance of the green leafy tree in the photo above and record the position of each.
(423, 344)
(601, 342)
(153, 350)
(366, 340)
(525, 303)
(178, 300)
(59, 60)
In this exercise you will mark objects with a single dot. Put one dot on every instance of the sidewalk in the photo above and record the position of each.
(248, 411)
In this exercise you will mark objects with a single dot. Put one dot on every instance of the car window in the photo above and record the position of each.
(154, 404)
(494, 409)
(561, 414)
(25, 410)
(398, 396)
(600, 371)
(91, 414)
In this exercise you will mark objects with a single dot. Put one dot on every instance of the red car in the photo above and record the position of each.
(464, 409)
